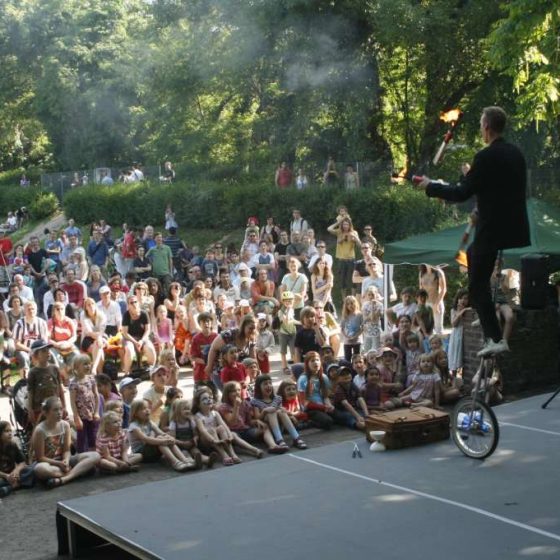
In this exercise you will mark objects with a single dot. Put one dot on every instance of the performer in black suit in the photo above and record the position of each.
(498, 179)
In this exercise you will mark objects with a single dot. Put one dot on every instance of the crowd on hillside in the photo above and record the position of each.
(94, 319)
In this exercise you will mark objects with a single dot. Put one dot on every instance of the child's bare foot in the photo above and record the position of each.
(211, 459)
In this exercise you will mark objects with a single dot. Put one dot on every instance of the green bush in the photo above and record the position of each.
(13, 197)
(394, 212)
(44, 205)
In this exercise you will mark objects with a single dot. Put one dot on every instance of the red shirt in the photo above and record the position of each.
(5, 248)
(236, 372)
(128, 250)
(200, 346)
(284, 177)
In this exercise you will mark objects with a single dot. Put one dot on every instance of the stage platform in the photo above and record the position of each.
(424, 502)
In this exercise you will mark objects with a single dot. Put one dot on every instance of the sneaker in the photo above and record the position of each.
(493, 348)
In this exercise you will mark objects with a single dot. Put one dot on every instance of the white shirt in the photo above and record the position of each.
(328, 259)
(26, 293)
(48, 300)
(112, 313)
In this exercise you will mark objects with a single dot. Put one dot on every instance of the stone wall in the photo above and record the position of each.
(533, 361)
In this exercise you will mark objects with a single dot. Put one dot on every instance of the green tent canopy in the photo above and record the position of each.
(440, 247)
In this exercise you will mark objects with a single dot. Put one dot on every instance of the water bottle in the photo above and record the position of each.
(464, 422)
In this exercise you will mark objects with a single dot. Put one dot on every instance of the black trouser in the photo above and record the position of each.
(480, 294)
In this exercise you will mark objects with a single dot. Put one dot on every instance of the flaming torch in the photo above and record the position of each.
(451, 117)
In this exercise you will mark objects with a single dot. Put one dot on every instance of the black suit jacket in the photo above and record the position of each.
(498, 179)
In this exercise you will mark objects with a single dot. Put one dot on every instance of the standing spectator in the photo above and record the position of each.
(68, 250)
(128, 251)
(98, 251)
(331, 176)
(351, 178)
(162, 261)
(298, 224)
(283, 177)
(368, 235)
(24, 181)
(407, 306)
(263, 260)
(175, 244)
(432, 279)
(346, 241)
(73, 229)
(53, 247)
(270, 229)
(168, 173)
(106, 179)
(301, 180)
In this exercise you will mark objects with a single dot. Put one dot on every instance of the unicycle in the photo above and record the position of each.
(474, 426)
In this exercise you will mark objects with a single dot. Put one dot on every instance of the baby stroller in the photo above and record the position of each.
(18, 415)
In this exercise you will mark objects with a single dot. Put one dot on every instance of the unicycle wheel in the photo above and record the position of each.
(474, 428)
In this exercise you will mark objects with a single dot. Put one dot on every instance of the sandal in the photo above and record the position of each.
(277, 450)
(282, 443)
(212, 458)
(228, 462)
(54, 482)
(299, 443)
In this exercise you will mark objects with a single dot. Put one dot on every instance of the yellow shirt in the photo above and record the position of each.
(345, 249)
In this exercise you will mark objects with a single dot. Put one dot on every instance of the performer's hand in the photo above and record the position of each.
(424, 182)
(465, 168)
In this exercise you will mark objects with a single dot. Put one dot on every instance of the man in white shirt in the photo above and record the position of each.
(298, 224)
(111, 309)
(24, 291)
(321, 252)
(244, 274)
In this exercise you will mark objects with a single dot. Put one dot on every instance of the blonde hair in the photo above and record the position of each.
(135, 407)
(348, 300)
(167, 353)
(112, 406)
(107, 417)
(80, 360)
(177, 404)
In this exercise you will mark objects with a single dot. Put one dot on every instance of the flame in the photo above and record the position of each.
(451, 116)
(400, 177)
(461, 258)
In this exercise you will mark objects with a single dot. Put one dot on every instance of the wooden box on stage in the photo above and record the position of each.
(407, 427)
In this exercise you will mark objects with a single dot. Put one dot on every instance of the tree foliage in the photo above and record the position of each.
(89, 83)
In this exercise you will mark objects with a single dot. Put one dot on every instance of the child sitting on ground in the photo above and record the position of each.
(183, 428)
(412, 357)
(171, 395)
(359, 368)
(288, 391)
(151, 443)
(391, 382)
(212, 429)
(155, 395)
(113, 447)
(14, 473)
(268, 408)
(348, 400)
(372, 390)
(426, 387)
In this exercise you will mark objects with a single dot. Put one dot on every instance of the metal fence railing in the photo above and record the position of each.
(540, 179)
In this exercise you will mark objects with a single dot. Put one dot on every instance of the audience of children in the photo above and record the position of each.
(393, 371)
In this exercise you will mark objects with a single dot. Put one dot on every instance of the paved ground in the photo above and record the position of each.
(428, 502)
(528, 453)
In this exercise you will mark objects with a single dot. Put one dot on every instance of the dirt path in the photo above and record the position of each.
(57, 221)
